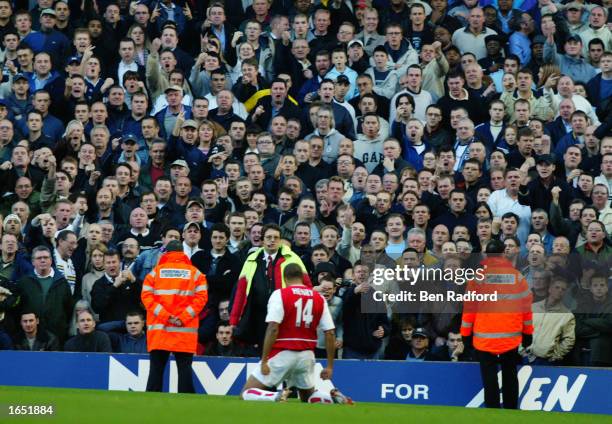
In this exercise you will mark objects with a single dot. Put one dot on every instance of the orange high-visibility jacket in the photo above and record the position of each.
(174, 288)
(497, 326)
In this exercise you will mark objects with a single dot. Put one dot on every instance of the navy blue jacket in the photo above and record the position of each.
(53, 42)
(556, 130)
(483, 132)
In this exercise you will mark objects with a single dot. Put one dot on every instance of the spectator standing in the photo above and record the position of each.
(554, 326)
(173, 293)
(47, 293)
(497, 334)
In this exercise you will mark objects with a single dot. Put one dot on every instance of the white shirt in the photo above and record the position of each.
(267, 255)
(237, 106)
(123, 68)
(500, 203)
(190, 251)
(421, 101)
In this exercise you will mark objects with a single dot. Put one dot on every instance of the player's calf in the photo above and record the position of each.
(261, 395)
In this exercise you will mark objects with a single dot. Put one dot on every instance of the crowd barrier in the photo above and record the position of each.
(423, 383)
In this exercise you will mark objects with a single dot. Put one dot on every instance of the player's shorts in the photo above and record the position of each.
(294, 367)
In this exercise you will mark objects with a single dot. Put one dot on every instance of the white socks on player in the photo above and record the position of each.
(320, 397)
(268, 396)
(260, 395)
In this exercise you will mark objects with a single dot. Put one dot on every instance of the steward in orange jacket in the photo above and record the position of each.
(498, 325)
(173, 293)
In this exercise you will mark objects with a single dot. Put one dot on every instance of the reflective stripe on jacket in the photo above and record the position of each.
(174, 288)
(497, 326)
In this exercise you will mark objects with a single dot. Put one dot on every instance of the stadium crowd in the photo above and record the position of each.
(349, 135)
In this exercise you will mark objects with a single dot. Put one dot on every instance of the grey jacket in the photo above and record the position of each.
(577, 69)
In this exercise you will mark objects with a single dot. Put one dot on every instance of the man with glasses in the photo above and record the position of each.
(261, 274)
(47, 293)
(434, 132)
(401, 53)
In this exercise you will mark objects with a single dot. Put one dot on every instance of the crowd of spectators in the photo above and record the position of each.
(374, 133)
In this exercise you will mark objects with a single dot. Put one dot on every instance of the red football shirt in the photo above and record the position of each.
(300, 311)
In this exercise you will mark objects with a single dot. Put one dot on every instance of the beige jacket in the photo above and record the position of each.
(554, 331)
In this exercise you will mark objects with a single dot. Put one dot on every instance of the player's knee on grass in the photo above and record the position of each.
(320, 397)
(253, 383)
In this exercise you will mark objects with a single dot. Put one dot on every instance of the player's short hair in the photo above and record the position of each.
(293, 272)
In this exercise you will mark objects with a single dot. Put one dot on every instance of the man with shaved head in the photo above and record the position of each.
(139, 231)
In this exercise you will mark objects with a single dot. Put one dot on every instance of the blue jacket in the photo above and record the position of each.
(131, 126)
(179, 18)
(124, 343)
(556, 129)
(160, 116)
(562, 145)
(190, 152)
(483, 132)
(52, 127)
(466, 219)
(53, 42)
(18, 110)
(54, 85)
(410, 154)
(22, 266)
(310, 86)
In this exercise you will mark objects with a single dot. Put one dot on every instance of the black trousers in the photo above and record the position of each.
(159, 359)
(488, 370)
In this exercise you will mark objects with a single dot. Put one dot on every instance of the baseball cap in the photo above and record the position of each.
(73, 59)
(574, 5)
(191, 224)
(179, 162)
(343, 79)
(216, 149)
(174, 246)
(217, 173)
(11, 217)
(195, 202)
(129, 138)
(19, 76)
(353, 42)
(325, 267)
(190, 123)
(539, 39)
(173, 88)
(547, 158)
(420, 331)
(492, 37)
(48, 11)
(573, 37)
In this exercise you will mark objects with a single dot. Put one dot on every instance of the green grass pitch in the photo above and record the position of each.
(110, 407)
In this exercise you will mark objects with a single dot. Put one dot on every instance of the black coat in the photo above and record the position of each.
(113, 303)
(222, 282)
(358, 326)
(44, 341)
(55, 310)
(98, 341)
(536, 195)
(289, 110)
